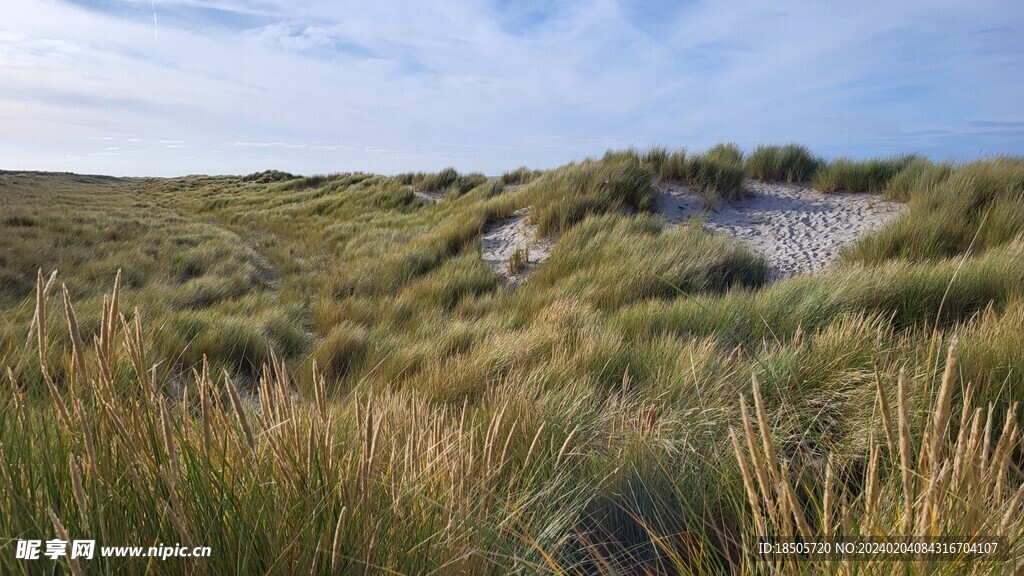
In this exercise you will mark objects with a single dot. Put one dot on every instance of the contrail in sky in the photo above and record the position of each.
(156, 29)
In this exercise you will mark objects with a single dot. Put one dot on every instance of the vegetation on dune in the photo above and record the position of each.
(331, 355)
(519, 176)
(845, 175)
(610, 262)
(564, 197)
(923, 484)
(448, 180)
(716, 173)
(268, 176)
(973, 208)
(667, 165)
(918, 177)
(791, 163)
(908, 297)
(519, 259)
(440, 181)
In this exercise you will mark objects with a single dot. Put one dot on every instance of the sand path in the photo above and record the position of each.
(429, 196)
(798, 229)
(501, 240)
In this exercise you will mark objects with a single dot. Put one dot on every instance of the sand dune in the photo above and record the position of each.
(429, 196)
(797, 228)
(500, 242)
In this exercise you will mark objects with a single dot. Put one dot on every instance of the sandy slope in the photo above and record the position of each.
(429, 196)
(799, 229)
(501, 240)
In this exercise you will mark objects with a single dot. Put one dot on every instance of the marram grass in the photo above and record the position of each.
(320, 375)
(518, 479)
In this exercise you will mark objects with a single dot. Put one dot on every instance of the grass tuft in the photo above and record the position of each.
(845, 175)
(439, 181)
(519, 176)
(918, 177)
(717, 173)
(342, 350)
(566, 196)
(518, 260)
(975, 207)
(268, 177)
(792, 163)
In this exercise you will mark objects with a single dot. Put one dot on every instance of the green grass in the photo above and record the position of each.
(908, 295)
(918, 177)
(519, 259)
(269, 176)
(664, 164)
(579, 423)
(565, 196)
(845, 175)
(440, 181)
(791, 163)
(521, 175)
(609, 262)
(717, 173)
(950, 211)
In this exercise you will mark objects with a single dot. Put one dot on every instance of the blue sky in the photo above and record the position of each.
(172, 87)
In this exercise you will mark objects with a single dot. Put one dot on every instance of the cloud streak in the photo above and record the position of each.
(313, 87)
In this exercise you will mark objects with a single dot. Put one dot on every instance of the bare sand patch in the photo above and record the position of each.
(501, 240)
(797, 228)
(429, 196)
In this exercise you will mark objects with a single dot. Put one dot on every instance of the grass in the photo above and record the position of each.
(329, 355)
(566, 196)
(915, 485)
(269, 176)
(609, 262)
(518, 260)
(792, 163)
(918, 177)
(976, 207)
(717, 173)
(845, 175)
(440, 181)
(519, 176)
(907, 295)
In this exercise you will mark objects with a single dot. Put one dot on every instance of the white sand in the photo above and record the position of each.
(501, 240)
(429, 196)
(798, 229)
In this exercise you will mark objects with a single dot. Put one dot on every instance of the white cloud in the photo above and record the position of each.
(293, 36)
(409, 85)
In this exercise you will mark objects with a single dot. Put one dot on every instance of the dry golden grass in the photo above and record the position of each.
(950, 488)
(518, 260)
(330, 355)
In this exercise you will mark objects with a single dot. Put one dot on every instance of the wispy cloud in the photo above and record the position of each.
(293, 36)
(267, 145)
(316, 86)
(294, 145)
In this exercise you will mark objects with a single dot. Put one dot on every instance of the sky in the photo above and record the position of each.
(175, 87)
